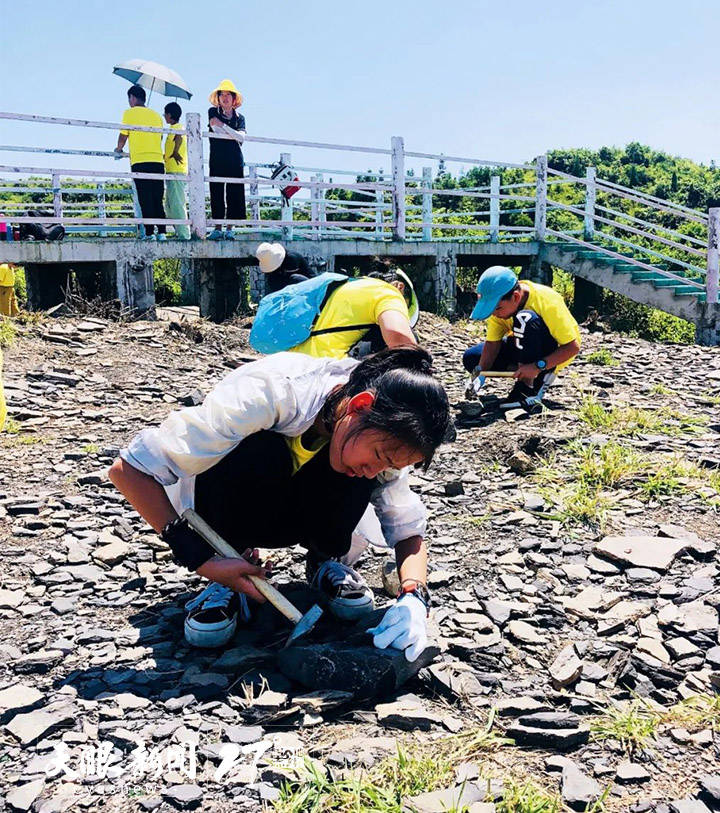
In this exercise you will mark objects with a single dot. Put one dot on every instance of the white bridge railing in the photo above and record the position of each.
(521, 202)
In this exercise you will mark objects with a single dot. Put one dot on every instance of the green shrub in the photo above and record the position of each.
(168, 290)
(21, 286)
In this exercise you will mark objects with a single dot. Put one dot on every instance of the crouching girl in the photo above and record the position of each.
(291, 450)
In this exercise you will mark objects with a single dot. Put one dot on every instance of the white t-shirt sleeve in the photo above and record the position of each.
(194, 439)
(400, 510)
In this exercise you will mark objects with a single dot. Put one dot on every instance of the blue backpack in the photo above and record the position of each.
(286, 317)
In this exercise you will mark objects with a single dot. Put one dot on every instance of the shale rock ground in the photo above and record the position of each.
(574, 571)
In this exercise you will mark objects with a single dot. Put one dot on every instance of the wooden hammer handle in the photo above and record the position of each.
(213, 538)
(496, 374)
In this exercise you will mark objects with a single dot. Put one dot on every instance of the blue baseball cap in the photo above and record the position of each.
(493, 284)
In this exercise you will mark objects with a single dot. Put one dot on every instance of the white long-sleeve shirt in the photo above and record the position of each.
(283, 393)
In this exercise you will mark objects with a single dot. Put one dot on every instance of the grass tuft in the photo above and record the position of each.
(634, 725)
(8, 332)
(629, 420)
(528, 798)
(602, 357)
(695, 713)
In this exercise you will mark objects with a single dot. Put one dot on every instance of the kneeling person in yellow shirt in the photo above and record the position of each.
(8, 301)
(529, 330)
(385, 309)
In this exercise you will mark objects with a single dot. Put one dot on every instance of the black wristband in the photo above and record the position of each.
(189, 549)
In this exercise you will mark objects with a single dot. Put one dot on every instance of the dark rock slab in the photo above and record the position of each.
(555, 730)
(363, 670)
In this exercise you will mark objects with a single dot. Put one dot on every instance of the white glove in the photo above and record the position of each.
(479, 381)
(240, 135)
(403, 627)
(118, 154)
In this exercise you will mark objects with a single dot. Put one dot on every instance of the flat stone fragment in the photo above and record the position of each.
(688, 806)
(111, 554)
(631, 773)
(184, 796)
(578, 789)
(29, 728)
(10, 599)
(406, 712)
(525, 632)
(566, 668)
(365, 671)
(457, 798)
(22, 797)
(519, 706)
(555, 730)
(653, 647)
(641, 551)
(710, 787)
(695, 616)
(18, 696)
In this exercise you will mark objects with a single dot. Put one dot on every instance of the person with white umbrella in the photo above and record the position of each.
(146, 155)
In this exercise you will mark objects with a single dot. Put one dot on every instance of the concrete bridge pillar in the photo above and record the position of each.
(538, 271)
(707, 329)
(135, 283)
(587, 296)
(188, 282)
(222, 287)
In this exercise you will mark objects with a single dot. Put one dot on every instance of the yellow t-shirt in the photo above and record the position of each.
(550, 307)
(171, 165)
(300, 455)
(358, 302)
(7, 274)
(144, 147)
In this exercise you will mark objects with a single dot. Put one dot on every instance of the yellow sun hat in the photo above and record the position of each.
(226, 84)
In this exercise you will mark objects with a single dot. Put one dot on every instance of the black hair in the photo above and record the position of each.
(173, 110)
(387, 273)
(137, 92)
(506, 296)
(410, 403)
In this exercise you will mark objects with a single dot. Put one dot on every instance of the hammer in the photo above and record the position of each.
(473, 387)
(303, 623)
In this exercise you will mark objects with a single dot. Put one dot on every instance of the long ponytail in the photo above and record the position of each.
(410, 403)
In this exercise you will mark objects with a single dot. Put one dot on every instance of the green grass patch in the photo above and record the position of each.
(695, 713)
(629, 420)
(384, 787)
(8, 332)
(603, 357)
(633, 725)
(90, 448)
(527, 797)
(380, 789)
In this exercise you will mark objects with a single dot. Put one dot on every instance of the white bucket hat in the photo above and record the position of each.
(270, 256)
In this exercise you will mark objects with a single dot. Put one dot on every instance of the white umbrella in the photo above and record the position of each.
(153, 76)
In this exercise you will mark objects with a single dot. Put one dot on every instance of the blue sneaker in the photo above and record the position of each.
(229, 234)
(162, 238)
(215, 234)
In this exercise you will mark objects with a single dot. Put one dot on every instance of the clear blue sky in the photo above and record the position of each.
(493, 80)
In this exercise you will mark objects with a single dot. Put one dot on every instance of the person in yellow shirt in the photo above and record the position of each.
(8, 301)
(146, 155)
(175, 164)
(529, 330)
(382, 312)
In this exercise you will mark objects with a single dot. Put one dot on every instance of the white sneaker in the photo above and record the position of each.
(212, 616)
(347, 593)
